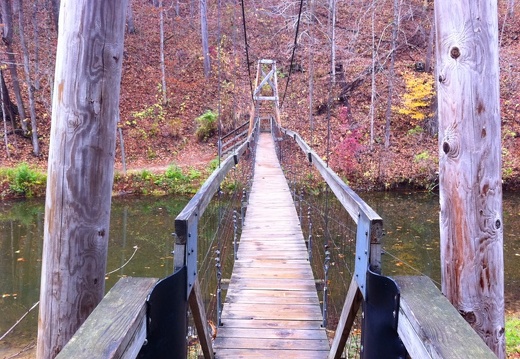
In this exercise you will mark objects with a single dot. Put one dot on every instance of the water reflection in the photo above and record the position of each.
(140, 229)
(411, 242)
(411, 221)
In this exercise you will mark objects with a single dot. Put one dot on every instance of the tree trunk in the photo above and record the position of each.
(36, 41)
(471, 224)
(7, 37)
(332, 6)
(373, 86)
(9, 108)
(130, 26)
(30, 87)
(391, 74)
(163, 67)
(429, 49)
(204, 35)
(81, 167)
(55, 12)
(4, 117)
(311, 72)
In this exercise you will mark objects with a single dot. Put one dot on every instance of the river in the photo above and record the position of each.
(141, 244)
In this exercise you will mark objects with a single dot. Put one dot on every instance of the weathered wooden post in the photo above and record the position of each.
(81, 161)
(470, 164)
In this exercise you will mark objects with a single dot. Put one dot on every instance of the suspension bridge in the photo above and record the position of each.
(275, 256)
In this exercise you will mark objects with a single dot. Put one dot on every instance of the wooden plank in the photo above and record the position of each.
(430, 327)
(274, 255)
(273, 273)
(281, 284)
(270, 298)
(346, 320)
(284, 293)
(262, 343)
(252, 262)
(269, 333)
(272, 308)
(199, 317)
(273, 311)
(117, 327)
(263, 353)
(279, 324)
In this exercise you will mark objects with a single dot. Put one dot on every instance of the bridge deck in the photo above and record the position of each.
(272, 308)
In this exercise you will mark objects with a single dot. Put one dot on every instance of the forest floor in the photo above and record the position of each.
(158, 135)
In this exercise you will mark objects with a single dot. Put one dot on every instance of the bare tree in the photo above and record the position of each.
(36, 42)
(373, 92)
(130, 26)
(4, 117)
(391, 74)
(332, 9)
(311, 71)
(204, 35)
(55, 12)
(28, 81)
(429, 49)
(163, 67)
(7, 37)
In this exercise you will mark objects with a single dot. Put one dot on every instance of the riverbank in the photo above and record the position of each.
(30, 181)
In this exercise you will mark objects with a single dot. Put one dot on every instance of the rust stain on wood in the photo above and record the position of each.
(60, 91)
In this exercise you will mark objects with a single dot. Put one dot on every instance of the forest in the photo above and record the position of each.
(188, 70)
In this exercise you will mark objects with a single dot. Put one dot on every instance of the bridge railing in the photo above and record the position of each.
(401, 316)
(343, 236)
(207, 232)
(146, 318)
(233, 139)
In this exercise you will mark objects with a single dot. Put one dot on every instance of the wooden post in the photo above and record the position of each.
(471, 223)
(81, 166)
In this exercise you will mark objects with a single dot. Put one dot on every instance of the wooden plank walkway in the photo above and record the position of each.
(272, 308)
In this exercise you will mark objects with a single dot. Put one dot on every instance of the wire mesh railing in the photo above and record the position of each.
(208, 229)
(330, 216)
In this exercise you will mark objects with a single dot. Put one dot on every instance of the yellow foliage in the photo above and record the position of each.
(418, 96)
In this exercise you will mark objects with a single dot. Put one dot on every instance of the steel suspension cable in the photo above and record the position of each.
(219, 86)
(247, 48)
(293, 52)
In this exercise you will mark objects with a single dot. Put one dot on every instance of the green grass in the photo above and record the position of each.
(512, 335)
(24, 180)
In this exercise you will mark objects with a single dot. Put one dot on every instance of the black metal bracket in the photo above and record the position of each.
(379, 338)
(166, 319)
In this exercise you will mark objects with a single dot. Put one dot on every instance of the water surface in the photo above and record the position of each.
(141, 244)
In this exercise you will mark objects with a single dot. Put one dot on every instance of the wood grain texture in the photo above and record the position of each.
(85, 111)
(470, 185)
(430, 327)
(117, 327)
(272, 307)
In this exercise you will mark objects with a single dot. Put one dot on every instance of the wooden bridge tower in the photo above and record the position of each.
(265, 95)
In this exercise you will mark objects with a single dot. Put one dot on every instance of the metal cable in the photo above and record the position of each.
(293, 51)
(247, 48)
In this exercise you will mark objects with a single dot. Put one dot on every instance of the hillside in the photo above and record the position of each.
(157, 135)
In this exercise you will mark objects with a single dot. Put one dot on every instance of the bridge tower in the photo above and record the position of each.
(265, 96)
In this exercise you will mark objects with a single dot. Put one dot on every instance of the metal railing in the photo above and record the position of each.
(343, 237)
(230, 141)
